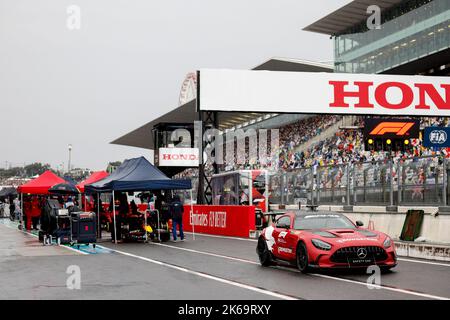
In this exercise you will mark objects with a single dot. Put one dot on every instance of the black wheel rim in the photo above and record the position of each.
(301, 257)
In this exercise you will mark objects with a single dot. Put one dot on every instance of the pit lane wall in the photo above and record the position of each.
(433, 242)
(233, 221)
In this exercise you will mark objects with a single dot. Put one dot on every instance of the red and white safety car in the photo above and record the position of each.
(315, 239)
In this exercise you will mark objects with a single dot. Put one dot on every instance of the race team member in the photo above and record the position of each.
(176, 211)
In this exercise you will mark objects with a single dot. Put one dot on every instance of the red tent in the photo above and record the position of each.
(41, 184)
(96, 176)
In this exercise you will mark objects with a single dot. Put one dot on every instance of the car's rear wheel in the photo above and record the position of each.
(302, 257)
(265, 257)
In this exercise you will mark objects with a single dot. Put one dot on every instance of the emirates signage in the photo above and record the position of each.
(234, 221)
(178, 157)
(313, 92)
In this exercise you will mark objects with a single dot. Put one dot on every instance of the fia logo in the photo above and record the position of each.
(438, 136)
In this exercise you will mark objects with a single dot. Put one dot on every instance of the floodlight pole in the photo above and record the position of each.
(158, 227)
(145, 224)
(70, 158)
(114, 217)
(21, 211)
(444, 181)
(99, 228)
(192, 215)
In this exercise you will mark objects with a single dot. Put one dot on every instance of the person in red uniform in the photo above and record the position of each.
(27, 208)
(35, 212)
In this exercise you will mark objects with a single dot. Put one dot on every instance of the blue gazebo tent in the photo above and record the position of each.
(136, 174)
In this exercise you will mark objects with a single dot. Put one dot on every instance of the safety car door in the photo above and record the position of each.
(282, 229)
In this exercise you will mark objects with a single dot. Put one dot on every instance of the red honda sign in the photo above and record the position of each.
(178, 157)
(381, 97)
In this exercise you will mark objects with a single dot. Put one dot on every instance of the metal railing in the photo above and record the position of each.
(412, 181)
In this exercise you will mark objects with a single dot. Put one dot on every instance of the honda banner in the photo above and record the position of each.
(315, 92)
(233, 221)
(178, 157)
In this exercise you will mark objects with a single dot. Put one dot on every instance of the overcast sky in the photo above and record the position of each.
(126, 64)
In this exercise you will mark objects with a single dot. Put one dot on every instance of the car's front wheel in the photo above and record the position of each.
(263, 252)
(302, 257)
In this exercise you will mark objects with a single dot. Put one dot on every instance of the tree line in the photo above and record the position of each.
(27, 171)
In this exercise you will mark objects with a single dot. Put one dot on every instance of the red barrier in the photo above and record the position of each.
(234, 221)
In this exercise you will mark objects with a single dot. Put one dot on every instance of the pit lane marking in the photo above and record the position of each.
(424, 262)
(208, 276)
(207, 253)
(405, 291)
(385, 287)
(221, 237)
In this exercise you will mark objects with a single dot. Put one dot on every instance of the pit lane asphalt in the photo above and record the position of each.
(29, 270)
(236, 259)
(205, 268)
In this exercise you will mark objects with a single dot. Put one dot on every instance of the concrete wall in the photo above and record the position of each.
(422, 251)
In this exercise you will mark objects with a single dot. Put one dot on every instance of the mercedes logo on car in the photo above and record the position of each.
(361, 253)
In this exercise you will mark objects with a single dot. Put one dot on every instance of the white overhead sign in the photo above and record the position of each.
(178, 157)
(317, 92)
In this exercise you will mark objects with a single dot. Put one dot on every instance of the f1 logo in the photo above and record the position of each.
(399, 128)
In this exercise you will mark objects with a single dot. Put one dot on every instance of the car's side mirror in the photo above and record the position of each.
(359, 223)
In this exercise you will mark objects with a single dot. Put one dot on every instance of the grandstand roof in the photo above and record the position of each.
(348, 16)
(295, 65)
(186, 113)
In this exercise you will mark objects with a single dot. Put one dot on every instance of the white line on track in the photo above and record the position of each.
(424, 295)
(404, 291)
(207, 276)
(208, 253)
(425, 262)
(221, 237)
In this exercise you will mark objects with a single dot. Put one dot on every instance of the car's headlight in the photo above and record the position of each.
(387, 243)
(322, 245)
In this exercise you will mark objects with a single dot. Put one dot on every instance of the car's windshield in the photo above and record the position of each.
(323, 221)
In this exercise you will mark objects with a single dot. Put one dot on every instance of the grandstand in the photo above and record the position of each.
(323, 157)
